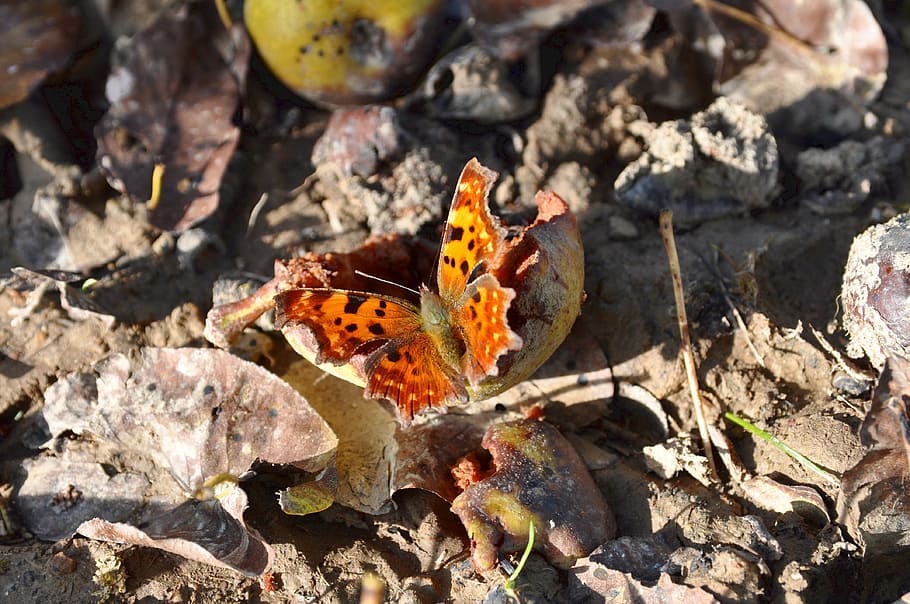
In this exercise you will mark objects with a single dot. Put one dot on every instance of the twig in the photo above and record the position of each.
(737, 316)
(254, 214)
(666, 233)
(804, 461)
(742, 327)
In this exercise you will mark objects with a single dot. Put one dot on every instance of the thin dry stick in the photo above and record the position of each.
(839, 359)
(742, 327)
(666, 233)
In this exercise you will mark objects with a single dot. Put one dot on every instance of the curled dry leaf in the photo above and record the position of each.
(347, 52)
(174, 88)
(199, 414)
(875, 504)
(210, 531)
(539, 477)
(77, 303)
(470, 83)
(770, 494)
(801, 47)
(36, 37)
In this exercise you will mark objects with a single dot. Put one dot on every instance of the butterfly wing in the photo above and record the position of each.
(342, 321)
(481, 315)
(405, 368)
(472, 235)
(411, 373)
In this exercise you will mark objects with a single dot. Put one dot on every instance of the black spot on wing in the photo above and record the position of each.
(455, 233)
(393, 355)
(464, 267)
(353, 304)
(376, 329)
(351, 327)
(337, 321)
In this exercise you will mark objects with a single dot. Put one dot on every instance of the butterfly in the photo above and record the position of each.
(422, 356)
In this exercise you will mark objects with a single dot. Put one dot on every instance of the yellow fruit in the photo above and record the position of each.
(345, 51)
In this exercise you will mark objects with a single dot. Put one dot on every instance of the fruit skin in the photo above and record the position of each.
(876, 292)
(349, 51)
(538, 476)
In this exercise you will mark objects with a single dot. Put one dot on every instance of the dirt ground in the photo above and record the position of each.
(776, 267)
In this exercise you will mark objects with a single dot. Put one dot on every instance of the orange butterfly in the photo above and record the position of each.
(422, 357)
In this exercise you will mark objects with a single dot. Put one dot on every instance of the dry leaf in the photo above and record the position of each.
(36, 37)
(771, 495)
(593, 583)
(174, 88)
(876, 292)
(875, 504)
(210, 531)
(205, 417)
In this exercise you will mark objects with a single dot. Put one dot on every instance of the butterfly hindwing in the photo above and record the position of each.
(472, 235)
(342, 321)
(410, 373)
(481, 314)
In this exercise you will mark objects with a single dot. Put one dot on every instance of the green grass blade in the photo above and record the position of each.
(510, 582)
(807, 463)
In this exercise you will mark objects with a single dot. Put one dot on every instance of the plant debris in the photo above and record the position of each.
(538, 478)
(174, 88)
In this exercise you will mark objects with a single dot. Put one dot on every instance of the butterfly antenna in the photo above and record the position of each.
(386, 281)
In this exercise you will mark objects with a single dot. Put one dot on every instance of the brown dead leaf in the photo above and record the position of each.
(36, 37)
(204, 416)
(198, 412)
(798, 47)
(594, 583)
(539, 478)
(875, 504)
(210, 531)
(78, 304)
(770, 494)
(173, 89)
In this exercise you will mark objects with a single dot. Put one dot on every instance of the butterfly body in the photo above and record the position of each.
(438, 324)
(424, 356)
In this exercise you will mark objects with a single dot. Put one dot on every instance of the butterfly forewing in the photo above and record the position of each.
(472, 235)
(481, 313)
(343, 321)
(410, 373)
